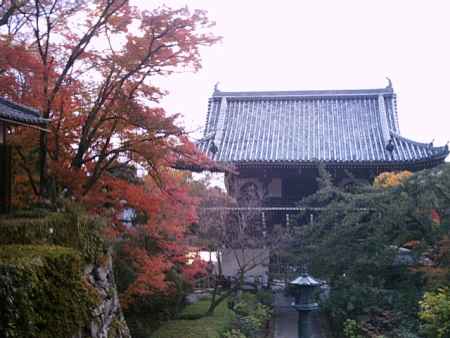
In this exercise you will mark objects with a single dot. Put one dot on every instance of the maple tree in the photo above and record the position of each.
(156, 243)
(92, 68)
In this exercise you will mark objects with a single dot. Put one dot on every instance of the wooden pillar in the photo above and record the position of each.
(2, 133)
(5, 178)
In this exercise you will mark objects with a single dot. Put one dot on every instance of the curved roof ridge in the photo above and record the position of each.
(305, 93)
(397, 135)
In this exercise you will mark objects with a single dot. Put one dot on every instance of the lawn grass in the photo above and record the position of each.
(206, 327)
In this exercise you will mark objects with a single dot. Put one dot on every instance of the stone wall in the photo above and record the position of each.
(107, 318)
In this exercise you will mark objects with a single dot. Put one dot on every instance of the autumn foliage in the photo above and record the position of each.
(92, 67)
(156, 242)
(391, 179)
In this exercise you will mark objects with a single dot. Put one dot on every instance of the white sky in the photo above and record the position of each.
(318, 44)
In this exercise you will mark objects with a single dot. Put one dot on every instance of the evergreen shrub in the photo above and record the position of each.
(73, 228)
(42, 292)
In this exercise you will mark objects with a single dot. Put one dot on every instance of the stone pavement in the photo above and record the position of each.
(285, 319)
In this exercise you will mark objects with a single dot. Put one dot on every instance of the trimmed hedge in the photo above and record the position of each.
(42, 293)
(74, 229)
(206, 327)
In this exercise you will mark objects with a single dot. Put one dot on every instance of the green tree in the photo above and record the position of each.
(435, 313)
(356, 243)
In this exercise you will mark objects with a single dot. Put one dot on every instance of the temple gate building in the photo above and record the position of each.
(275, 142)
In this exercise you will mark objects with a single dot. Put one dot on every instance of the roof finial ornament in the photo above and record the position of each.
(213, 148)
(390, 146)
(389, 83)
(216, 87)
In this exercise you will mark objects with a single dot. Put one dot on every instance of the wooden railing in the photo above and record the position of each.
(287, 215)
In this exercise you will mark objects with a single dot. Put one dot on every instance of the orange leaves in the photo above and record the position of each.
(156, 243)
(95, 81)
(151, 274)
(391, 179)
(194, 270)
(91, 71)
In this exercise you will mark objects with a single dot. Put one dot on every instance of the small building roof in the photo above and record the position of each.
(301, 127)
(16, 113)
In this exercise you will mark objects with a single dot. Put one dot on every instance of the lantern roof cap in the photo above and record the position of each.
(305, 280)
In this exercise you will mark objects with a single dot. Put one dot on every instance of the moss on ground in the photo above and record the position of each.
(206, 327)
(42, 292)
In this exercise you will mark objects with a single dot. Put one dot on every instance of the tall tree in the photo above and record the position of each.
(92, 66)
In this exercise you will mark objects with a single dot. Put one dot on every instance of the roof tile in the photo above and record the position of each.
(307, 126)
(15, 112)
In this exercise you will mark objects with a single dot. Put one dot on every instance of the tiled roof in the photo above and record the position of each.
(15, 112)
(308, 126)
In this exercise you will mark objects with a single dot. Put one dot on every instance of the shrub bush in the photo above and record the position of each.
(252, 316)
(435, 313)
(73, 228)
(42, 293)
(352, 329)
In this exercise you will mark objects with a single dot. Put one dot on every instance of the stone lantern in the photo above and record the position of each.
(305, 288)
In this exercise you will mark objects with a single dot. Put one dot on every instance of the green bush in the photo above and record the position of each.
(42, 293)
(352, 329)
(147, 313)
(435, 313)
(253, 324)
(73, 228)
(206, 327)
(252, 315)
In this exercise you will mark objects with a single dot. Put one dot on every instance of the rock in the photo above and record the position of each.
(107, 318)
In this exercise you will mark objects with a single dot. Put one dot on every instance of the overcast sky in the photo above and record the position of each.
(318, 44)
